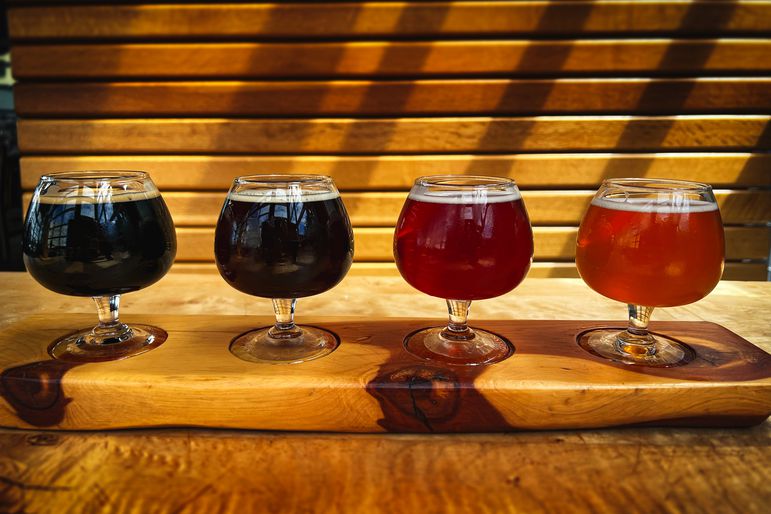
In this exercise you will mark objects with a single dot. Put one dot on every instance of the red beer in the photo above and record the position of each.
(641, 252)
(457, 245)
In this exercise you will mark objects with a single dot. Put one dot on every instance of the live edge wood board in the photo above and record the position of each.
(370, 384)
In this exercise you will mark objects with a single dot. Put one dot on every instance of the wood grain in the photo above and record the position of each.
(391, 59)
(392, 19)
(551, 243)
(390, 136)
(371, 384)
(385, 98)
(398, 172)
(236, 472)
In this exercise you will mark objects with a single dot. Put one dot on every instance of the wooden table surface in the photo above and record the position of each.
(193, 470)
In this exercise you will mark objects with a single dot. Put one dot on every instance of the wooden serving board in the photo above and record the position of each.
(371, 384)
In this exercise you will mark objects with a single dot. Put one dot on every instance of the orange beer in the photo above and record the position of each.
(641, 251)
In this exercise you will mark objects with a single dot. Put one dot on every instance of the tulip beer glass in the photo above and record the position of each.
(462, 238)
(283, 237)
(99, 234)
(649, 243)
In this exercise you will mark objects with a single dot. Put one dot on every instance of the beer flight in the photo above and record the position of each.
(644, 242)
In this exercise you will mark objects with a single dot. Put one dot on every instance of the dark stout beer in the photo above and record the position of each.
(279, 245)
(99, 246)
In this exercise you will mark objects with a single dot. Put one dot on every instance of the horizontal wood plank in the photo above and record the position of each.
(392, 19)
(421, 97)
(389, 59)
(733, 270)
(216, 172)
(551, 243)
(389, 136)
(544, 207)
(747, 243)
(717, 470)
(754, 271)
(746, 271)
(382, 209)
(388, 269)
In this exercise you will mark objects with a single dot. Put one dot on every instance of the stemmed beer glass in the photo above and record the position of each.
(649, 243)
(283, 237)
(99, 234)
(462, 238)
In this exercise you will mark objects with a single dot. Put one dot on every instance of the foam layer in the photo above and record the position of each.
(282, 196)
(669, 206)
(478, 196)
(77, 196)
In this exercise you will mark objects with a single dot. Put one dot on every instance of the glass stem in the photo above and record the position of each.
(109, 330)
(457, 328)
(284, 311)
(636, 340)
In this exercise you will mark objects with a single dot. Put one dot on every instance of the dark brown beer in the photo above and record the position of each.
(283, 246)
(84, 246)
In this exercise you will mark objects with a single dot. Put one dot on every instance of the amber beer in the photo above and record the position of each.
(643, 252)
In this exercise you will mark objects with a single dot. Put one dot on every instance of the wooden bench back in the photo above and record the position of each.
(556, 94)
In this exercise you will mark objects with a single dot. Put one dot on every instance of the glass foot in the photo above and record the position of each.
(258, 346)
(79, 346)
(665, 352)
(483, 348)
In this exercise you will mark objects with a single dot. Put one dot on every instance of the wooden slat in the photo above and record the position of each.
(544, 208)
(551, 243)
(743, 243)
(381, 136)
(388, 269)
(238, 60)
(733, 270)
(746, 207)
(371, 244)
(382, 209)
(423, 97)
(746, 271)
(385, 18)
(214, 172)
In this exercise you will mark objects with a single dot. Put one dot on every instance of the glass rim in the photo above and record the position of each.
(278, 178)
(483, 181)
(94, 176)
(649, 185)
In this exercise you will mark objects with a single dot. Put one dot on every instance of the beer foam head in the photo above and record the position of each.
(94, 196)
(282, 195)
(469, 196)
(664, 205)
